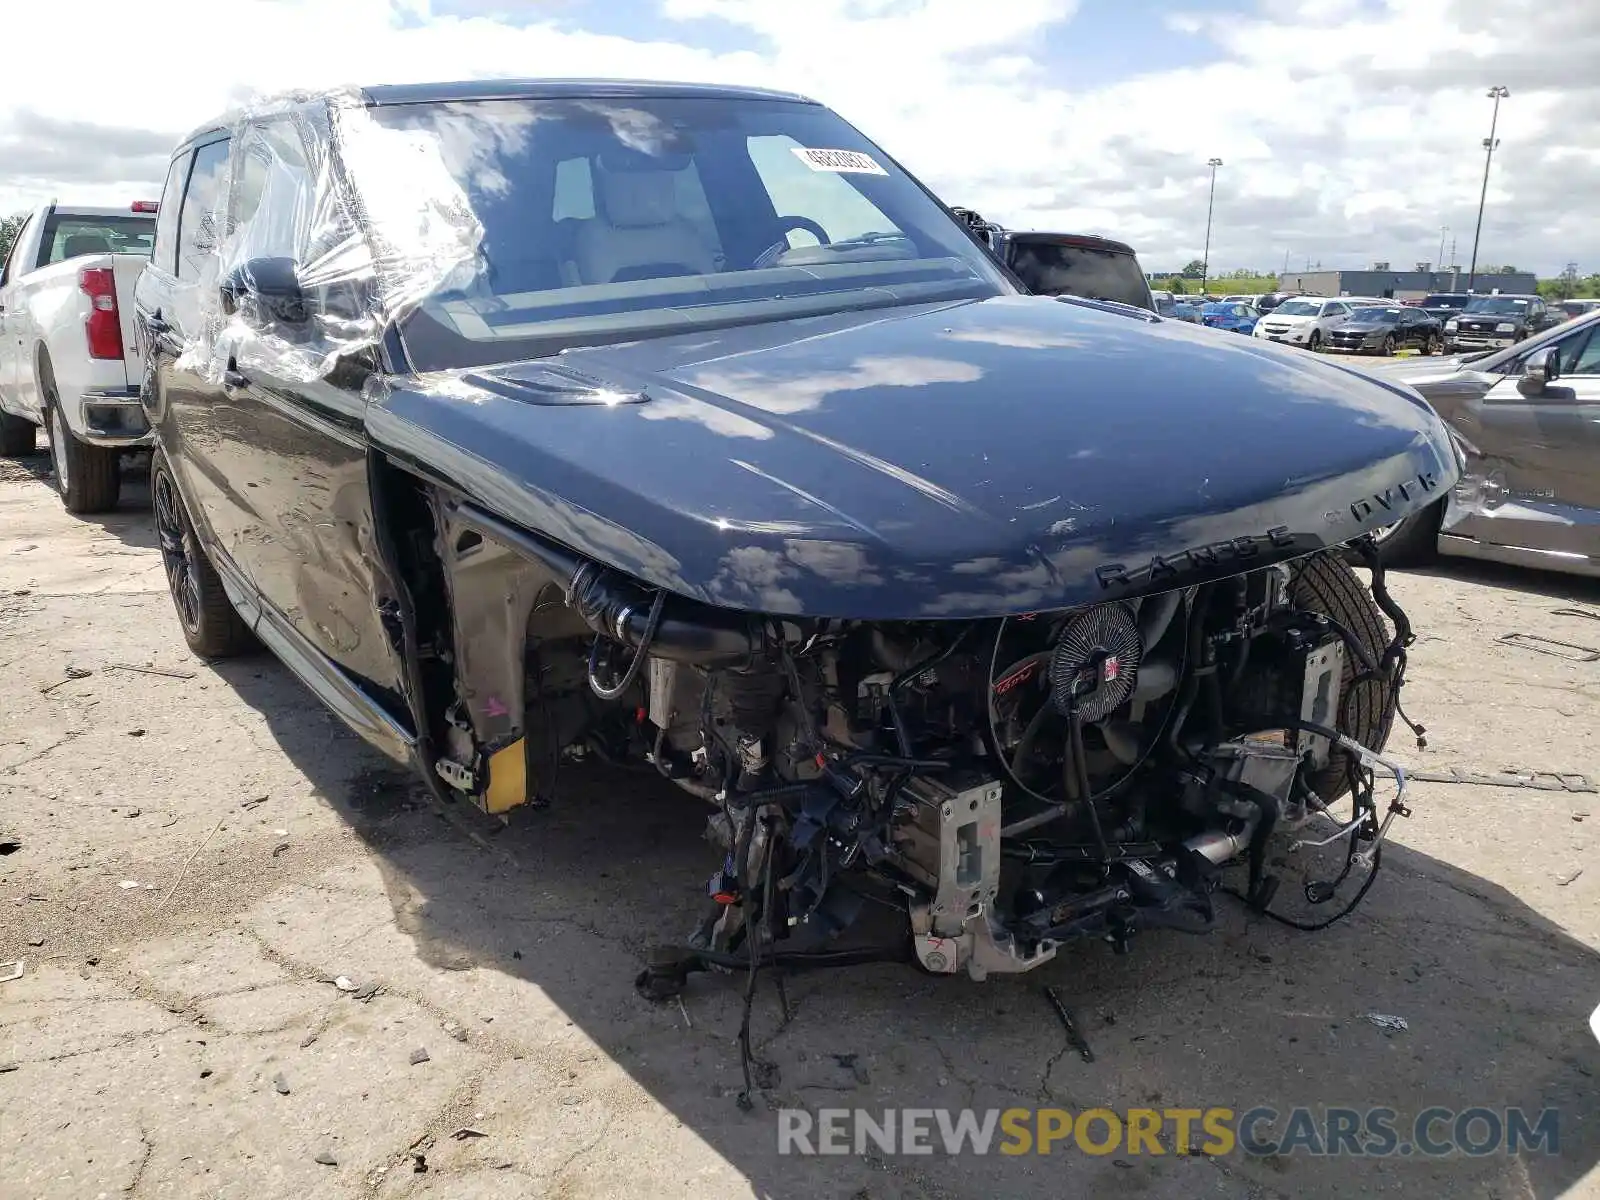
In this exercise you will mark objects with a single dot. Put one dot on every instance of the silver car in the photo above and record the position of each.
(1527, 421)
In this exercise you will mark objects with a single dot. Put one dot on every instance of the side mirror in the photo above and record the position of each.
(265, 291)
(1539, 370)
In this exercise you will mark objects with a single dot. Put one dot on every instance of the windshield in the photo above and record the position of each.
(606, 219)
(1374, 316)
(1297, 308)
(1446, 301)
(1050, 268)
(1496, 305)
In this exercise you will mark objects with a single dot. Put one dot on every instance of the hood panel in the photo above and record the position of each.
(987, 457)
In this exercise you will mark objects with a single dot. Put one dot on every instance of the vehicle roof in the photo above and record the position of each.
(549, 89)
(1092, 241)
(389, 94)
(1504, 296)
(98, 210)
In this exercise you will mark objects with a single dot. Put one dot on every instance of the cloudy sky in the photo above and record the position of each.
(1350, 130)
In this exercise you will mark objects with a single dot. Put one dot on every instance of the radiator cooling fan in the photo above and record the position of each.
(1095, 666)
(1081, 672)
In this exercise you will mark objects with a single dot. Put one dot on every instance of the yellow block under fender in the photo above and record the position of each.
(508, 779)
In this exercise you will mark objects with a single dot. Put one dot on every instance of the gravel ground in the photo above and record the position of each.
(193, 860)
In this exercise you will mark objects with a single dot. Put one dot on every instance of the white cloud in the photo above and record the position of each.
(1349, 132)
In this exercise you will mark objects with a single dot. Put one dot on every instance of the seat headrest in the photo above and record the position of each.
(79, 244)
(637, 199)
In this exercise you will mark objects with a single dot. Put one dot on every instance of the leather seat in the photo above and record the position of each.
(637, 231)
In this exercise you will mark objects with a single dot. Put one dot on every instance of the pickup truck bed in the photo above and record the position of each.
(67, 347)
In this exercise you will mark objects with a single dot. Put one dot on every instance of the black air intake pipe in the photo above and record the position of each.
(617, 606)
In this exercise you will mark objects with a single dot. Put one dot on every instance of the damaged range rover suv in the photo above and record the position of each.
(679, 425)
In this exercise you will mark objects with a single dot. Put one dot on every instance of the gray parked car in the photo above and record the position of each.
(1527, 419)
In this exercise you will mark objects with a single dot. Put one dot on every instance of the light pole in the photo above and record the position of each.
(1490, 143)
(1205, 259)
(1439, 262)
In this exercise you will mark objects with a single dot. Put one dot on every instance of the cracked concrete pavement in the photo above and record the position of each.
(198, 858)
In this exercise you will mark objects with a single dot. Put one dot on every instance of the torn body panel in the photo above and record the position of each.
(1529, 493)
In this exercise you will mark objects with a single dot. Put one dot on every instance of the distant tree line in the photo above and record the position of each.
(9, 227)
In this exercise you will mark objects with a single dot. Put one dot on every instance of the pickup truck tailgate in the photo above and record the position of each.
(127, 268)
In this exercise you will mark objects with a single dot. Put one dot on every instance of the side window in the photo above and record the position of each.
(165, 253)
(11, 258)
(198, 216)
(1336, 310)
(1580, 354)
(826, 196)
(265, 211)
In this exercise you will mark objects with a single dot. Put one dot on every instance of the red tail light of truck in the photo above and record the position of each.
(104, 325)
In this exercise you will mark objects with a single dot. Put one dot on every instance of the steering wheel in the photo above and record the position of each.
(775, 251)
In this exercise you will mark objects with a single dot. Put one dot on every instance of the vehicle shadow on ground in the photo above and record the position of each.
(130, 522)
(571, 897)
(1574, 589)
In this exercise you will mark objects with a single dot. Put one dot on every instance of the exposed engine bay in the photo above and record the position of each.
(1005, 786)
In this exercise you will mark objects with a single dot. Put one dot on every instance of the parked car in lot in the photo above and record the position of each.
(1488, 322)
(67, 356)
(1444, 305)
(1303, 321)
(1073, 264)
(1234, 317)
(1272, 300)
(685, 427)
(1384, 329)
(1570, 310)
(1252, 302)
(1525, 418)
(1066, 264)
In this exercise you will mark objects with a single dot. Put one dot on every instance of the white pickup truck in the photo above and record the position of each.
(67, 356)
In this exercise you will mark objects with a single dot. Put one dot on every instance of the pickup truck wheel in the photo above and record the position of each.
(16, 434)
(89, 478)
(210, 623)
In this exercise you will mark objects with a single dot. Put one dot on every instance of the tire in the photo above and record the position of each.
(17, 435)
(1314, 343)
(1389, 346)
(1434, 344)
(1325, 583)
(210, 623)
(89, 478)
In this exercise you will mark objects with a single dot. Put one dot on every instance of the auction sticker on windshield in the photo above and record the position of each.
(848, 162)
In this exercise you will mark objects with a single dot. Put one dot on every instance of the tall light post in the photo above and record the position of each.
(1205, 259)
(1490, 144)
(1439, 262)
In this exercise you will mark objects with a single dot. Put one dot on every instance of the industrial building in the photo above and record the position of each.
(1402, 285)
